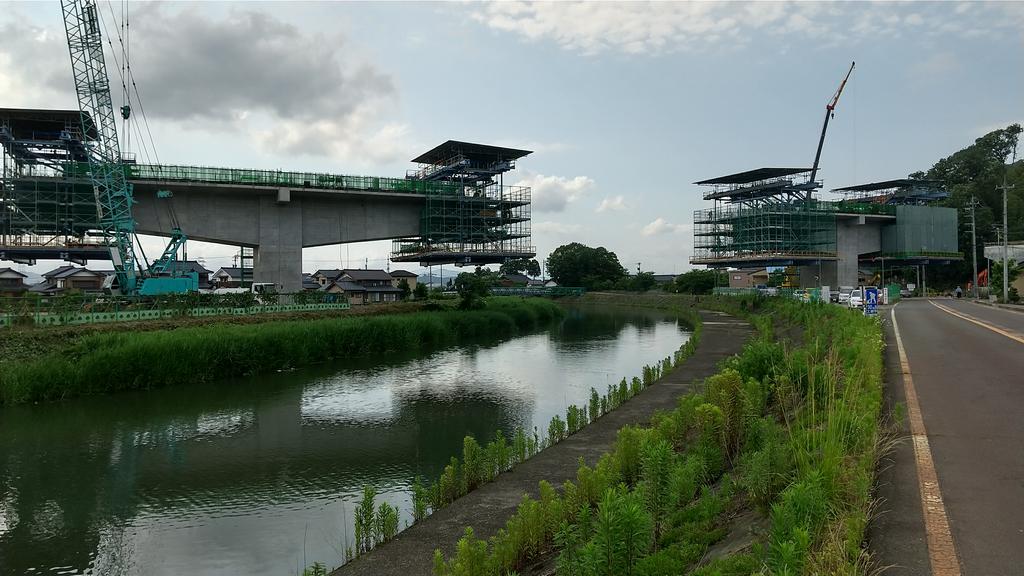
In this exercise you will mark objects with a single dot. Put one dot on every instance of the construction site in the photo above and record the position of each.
(770, 218)
(68, 192)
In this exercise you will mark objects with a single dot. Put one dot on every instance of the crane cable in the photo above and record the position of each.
(125, 72)
(128, 77)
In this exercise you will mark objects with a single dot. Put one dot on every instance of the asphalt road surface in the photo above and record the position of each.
(967, 365)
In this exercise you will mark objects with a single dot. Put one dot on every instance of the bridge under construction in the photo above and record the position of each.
(452, 208)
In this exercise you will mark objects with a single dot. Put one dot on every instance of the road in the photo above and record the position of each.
(966, 363)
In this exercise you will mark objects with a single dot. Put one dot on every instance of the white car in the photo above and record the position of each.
(844, 295)
(856, 299)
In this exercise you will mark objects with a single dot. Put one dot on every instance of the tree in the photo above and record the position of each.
(642, 282)
(420, 291)
(976, 172)
(696, 282)
(996, 285)
(521, 266)
(582, 266)
(473, 286)
(403, 285)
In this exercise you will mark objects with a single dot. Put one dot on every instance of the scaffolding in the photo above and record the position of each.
(782, 231)
(43, 201)
(471, 218)
(764, 217)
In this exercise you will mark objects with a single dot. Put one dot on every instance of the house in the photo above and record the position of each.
(379, 285)
(66, 278)
(355, 293)
(535, 283)
(309, 283)
(514, 280)
(12, 282)
(409, 277)
(188, 266)
(662, 279)
(324, 277)
(362, 286)
(748, 278)
(230, 277)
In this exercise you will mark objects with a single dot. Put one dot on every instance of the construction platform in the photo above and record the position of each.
(466, 215)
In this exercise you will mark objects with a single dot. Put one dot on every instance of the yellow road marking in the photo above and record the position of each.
(1008, 333)
(941, 550)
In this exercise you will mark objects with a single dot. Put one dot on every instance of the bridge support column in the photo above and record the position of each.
(278, 257)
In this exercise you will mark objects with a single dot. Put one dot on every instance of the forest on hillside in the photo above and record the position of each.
(977, 172)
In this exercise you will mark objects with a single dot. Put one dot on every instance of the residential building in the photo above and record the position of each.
(66, 278)
(409, 277)
(309, 283)
(748, 277)
(378, 284)
(362, 286)
(662, 279)
(12, 282)
(230, 277)
(324, 277)
(355, 293)
(514, 280)
(189, 266)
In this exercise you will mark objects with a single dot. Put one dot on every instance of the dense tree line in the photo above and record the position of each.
(976, 172)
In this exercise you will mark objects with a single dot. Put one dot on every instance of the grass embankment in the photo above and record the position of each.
(120, 360)
(19, 343)
(789, 436)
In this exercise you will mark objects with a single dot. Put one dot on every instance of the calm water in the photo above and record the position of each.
(259, 476)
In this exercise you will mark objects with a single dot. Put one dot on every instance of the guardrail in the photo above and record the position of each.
(86, 309)
(553, 291)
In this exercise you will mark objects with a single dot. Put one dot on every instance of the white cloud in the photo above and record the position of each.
(656, 27)
(556, 228)
(661, 226)
(289, 89)
(614, 203)
(554, 193)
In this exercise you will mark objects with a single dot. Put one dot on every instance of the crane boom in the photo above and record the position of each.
(829, 112)
(110, 185)
(112, 191)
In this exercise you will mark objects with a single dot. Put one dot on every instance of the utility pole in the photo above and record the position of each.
(1006, 234)
(974, 250)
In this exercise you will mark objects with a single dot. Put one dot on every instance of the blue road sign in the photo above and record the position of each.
(870, 301)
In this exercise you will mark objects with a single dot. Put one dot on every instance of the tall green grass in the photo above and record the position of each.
(110, 362)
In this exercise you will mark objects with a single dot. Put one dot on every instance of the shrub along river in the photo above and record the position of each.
(259, 476)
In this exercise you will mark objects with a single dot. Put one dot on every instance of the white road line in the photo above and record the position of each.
(941, 550)
(964, 316)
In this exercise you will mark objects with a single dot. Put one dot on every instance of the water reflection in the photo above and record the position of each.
(259, 475)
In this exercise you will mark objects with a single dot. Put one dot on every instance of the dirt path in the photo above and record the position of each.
(489, 507)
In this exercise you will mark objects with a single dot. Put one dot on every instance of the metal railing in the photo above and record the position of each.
(279, 178)
(73, 309)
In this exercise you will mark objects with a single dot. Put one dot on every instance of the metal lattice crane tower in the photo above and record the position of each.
(112, 191)
(106, 170)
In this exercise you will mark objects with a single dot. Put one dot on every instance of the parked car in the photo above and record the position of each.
(856, 298)
(844, 295)
(800, 295)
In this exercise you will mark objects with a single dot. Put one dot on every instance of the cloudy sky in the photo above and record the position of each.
(625, 105)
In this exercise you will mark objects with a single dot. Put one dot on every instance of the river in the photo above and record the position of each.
(259, 476)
